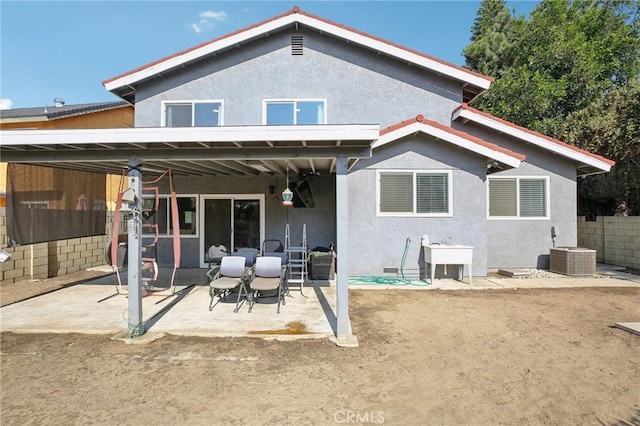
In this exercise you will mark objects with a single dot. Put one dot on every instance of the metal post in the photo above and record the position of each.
(343, 334)
(134, 252)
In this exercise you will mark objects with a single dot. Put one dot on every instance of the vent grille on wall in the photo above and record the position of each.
(296, 45)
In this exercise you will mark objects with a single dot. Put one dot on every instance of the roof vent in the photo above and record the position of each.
(296, 45)
(59, 102)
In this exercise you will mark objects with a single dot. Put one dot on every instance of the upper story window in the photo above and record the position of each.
(294, 111)
(414, 193)
(518, 197)
(192, 113)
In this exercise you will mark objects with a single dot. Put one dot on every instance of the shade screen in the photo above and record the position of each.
(48, 204)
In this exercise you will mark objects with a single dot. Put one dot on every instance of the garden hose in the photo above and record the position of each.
(379, 280)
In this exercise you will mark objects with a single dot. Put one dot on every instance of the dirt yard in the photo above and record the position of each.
(426, 357)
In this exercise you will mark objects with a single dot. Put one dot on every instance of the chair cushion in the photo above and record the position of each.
(226, 282)
(261, 283)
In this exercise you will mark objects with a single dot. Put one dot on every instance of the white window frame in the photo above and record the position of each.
(517, 179)
(294, 101)
(163, 107)
(168, 233)
(40, 205)
(415, 172)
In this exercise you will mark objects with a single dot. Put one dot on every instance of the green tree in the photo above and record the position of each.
(492, 48)
(574, 70)
(610, 126)
(568, 54)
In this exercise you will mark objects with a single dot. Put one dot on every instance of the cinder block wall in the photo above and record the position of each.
(51, 259)
(616, 239)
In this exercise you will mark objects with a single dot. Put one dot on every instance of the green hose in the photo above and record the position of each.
(404, 257)
(377, 280)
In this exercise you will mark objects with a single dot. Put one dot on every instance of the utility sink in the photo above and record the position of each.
(448, 254)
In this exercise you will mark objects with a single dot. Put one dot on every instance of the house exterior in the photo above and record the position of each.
(351, 77)
(377, 141)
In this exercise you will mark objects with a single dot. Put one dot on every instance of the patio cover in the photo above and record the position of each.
(229, 151)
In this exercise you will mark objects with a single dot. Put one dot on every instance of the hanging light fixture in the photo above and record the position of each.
(287, 195)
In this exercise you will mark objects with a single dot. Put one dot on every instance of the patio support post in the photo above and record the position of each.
(343, 332)
(134, 252)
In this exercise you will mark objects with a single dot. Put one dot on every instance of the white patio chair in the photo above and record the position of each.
(232, 274)
(268, 274)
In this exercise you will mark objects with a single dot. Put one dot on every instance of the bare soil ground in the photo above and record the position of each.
(426, 357)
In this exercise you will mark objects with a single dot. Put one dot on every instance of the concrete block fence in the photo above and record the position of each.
(53, 258)
(616, 239)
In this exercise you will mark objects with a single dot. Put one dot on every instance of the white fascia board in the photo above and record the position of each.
(406, 55)
(533, 139)
(363, 132)
(24, 119)
(322, 26)
(448, 137)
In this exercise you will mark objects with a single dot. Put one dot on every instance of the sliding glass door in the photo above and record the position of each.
(234, 221)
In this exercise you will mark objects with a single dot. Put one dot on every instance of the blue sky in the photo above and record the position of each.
(66, 49)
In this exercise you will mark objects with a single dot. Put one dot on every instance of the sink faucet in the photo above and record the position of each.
(446, 242)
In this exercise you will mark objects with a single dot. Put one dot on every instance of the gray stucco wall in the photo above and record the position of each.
(320, 220)
(522, 242)
(360, 87)
(364, 87)
(376, 243)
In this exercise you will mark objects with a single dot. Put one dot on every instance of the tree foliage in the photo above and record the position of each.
(572, 73)
(610, 126)
(492, 48)
(568, 54)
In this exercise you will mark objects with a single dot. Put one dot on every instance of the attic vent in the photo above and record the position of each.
(296, 45)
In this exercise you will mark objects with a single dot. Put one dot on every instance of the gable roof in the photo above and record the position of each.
(45, 113)
(464, 140)
(589, 163)
(122, 85)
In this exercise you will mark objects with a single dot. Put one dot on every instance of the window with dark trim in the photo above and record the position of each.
(187, 215)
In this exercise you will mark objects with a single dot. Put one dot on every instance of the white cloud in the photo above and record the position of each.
(205, 24)
(199, 26)
(5, 103)
(216, 16)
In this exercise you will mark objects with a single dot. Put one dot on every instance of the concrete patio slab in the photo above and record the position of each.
(94, 307)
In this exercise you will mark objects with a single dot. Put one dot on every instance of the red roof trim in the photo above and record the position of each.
(295, 10)
(415, 52)
(420, 119)
(537, 134)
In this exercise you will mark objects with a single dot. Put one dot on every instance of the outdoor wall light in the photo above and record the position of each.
(287, 198)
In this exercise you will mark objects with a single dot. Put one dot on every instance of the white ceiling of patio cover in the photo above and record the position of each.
(229, 150)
